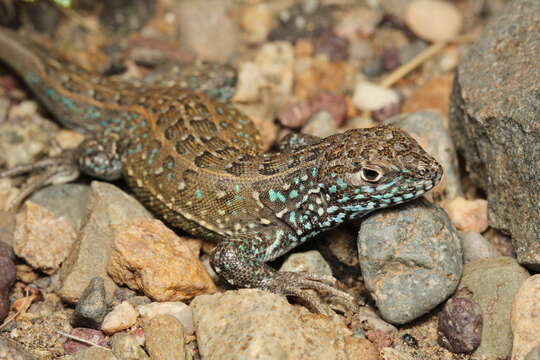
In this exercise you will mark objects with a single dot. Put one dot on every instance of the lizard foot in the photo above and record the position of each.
(54, 170)
(298, 284)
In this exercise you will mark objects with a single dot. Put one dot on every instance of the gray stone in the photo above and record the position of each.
(254, 324)
(322, 124)
(92, 306)
(411, 259)
(8, 274)
(429, 126)
(495, 117)
(108, 206)
(126, 347)
(493, 283)
(164, 336)
(67, 200)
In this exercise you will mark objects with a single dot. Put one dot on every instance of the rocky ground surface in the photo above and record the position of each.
(86, 272)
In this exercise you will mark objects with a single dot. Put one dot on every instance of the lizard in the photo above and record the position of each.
(198, 164)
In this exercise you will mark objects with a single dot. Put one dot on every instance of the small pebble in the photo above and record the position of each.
(123, 316)
(433, 20)
(257, 21)
(165, 338)
(177, 309)
(369, 96)
(476, 247)
(309, 261)
(468, 215)
(92, 306)
(126, 347)
(321, 124)
(460, 325)
(334, 47)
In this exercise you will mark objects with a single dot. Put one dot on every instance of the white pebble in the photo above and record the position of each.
(368, 96)
(433, 20)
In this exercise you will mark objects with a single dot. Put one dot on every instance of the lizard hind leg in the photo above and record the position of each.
(236, 261)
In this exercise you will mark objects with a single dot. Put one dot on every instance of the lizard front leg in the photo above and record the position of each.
(241, 261)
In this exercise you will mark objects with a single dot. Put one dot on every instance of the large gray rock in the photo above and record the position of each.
(495, 121)
(411, 259)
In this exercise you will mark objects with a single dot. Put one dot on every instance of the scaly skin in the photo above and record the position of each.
(198, 165)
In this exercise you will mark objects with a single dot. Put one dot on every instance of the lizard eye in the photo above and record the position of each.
(370, 175)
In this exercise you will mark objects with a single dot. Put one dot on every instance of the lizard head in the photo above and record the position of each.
(369, 169)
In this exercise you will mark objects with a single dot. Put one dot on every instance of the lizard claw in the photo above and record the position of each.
(298, 284)
(55, 170)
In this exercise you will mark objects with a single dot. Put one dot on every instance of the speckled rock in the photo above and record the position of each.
(526, 318)
(177, 309)
(8, 274)
(108, 206)
(126, 347)
(215, 39)
(94, 353)
(92, 306)
(43, 239)
(460, 325)
(69, 200)
(428, 127)
(277, 330)
(309, 261)
(164, 336)
(494, 121)
(122, 317)
(179, 275)
(476, 247)
(10, 350)
(493, 283)
(411, 259)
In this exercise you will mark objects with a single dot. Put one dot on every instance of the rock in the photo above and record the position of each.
(92, 306)
(94, 353)
(177, 309)
(164, 336)
(309, 261)
(494, 122)
(26, 273)
(388, 353)
(43, 239)
(250, 82)
(460, 325)
(68, 200)
(257, 21)
(217, 39)
(334, 47)
(126, 347)
(8, 275)
(493, 283)
(139, 300)
(368, 96)
(360, 21)
(380, 338)
(25, 135)
(411, 259)
(360, 349)
(302, 20)
(9, 350)
(433, 20)
(321, 125)
(91, 335)
(179, 275)
(367, 319)
(526, 318)
(277, 330)
(295, 115)
(468, 215)
(434, 94)
(275, 61)
(108, 206)
(122, 317)
(428, 127)
(340, 245)
(534, 354)
(51, 304)
(476, 247)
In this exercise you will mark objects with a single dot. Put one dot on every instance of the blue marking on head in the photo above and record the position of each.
(170, 165)
(198, 194)
(293, 194)
(408, 196)
(359, 197)
(388, 195)
(367, 189)
(238, 198)
(170, 176)
(292, 217)
(152, 157)
(342, 184)
(301, 187)
(332, 209)
(332, 189)
(398, 199)
(389, 184)
(237, 188)
(314, 172)
(344, 198)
